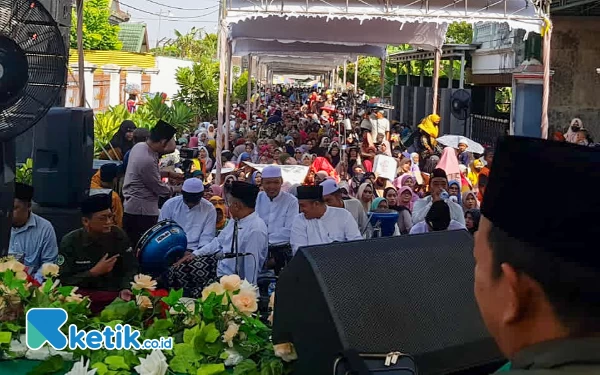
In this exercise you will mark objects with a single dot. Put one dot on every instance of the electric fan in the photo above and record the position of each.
(460, 102)
(33, 70)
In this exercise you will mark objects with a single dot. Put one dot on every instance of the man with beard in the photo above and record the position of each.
(97, 257)
(537, 275)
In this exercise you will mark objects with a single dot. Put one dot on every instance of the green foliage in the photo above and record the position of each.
(240, 87)
(25, 173)
(49, 366)
(106, 124)
(98, 33)
(192, 45)
(199, 88)
(459, 33)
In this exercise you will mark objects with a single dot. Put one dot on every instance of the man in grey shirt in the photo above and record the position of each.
(143, 185)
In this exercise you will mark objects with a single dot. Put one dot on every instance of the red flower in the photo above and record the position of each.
(162, 306)
(31, 280)
(159, 293)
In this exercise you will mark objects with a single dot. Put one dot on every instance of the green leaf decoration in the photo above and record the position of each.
(49, 366)
(65, 291)
(173, 297)
(186, 351)
(181, 365)
(188, 334)
(119, 310)
(101, 368)
(113, 323)
(246, 367)
(272, 367)
(160, 328)
(98, 356)
(211, 333)
(5, 337)
(116, 362)
(12, 327)
(211, 369)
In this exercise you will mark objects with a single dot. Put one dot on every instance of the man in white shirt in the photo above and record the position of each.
(195, 215)
(381, 125)
(438, 183)
(332, 195)
(319, 224)
(437, 219)
(277, 208)
(249, 231)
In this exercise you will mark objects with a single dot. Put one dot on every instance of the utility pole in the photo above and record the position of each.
(160, 14)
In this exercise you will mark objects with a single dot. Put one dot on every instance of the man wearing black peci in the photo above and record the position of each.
(537, 275)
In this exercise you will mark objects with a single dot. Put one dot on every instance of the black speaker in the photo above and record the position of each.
(63, 155)
(64, 220)
(410, 294)
(7, 192)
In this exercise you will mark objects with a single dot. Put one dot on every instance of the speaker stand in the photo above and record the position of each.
(7, 192)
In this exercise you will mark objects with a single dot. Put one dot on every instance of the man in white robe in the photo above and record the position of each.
(438, 183)
(332, 195)
(277, 208)
(252, 236)
(194, 214)
(319, 224)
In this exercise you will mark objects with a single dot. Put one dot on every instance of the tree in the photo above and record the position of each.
(240, 87)
(199, 87)
(98, 33)
(192, 45)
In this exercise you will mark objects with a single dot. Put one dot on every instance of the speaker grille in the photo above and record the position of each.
(412, 294)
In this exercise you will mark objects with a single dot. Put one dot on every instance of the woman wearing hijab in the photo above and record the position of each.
(472, 218)
(211, 133)
(204, 158)
(365, 195)
(414, 168)
(221, 208)
(256, 179)
(404, 215)
(426, 143)
(333, 155)
(469, 201)
(382, 205)
(449, 163)
(571, 134)
(405, 197)
(320, 164)
(120, 143)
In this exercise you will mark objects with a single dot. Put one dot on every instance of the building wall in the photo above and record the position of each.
(575, 86)
(167, 66)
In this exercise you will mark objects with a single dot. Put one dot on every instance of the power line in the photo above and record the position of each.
(164, 16)
(174, 20)
(178, 8)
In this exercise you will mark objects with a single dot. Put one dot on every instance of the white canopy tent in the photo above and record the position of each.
(288, 30)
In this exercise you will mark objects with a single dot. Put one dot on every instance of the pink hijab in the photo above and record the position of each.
(412, 201)
(449, 163)
(217, 190)
(193, 142)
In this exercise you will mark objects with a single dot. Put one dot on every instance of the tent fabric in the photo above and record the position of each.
(422, 24)
(243, 47)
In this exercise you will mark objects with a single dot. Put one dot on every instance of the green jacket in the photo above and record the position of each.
(575, 356)
(79, 252)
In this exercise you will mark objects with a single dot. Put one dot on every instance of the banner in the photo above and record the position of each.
(385, 166)
(292, 174)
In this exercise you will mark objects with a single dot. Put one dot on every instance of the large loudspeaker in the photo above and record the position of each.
(63, 155)
(410, 294)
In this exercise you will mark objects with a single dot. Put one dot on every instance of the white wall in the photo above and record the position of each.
(165, 80)
(496, 54)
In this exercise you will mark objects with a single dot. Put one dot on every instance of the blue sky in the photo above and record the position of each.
(179, 15)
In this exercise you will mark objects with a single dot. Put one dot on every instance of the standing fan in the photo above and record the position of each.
(33, 71)
(460, 103)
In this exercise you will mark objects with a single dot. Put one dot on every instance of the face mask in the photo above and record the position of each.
(191, 198)
(575, 128)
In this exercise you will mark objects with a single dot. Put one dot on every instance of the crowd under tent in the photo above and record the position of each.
(292, 29)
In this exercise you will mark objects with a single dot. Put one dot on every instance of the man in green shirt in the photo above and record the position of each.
(537, 273)
(98, 257)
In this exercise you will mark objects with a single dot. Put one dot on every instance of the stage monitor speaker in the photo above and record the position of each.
(63, 155)
(410, 294)
(7, 192)
(64, 220)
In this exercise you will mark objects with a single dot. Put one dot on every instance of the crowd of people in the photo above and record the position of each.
(250, 220)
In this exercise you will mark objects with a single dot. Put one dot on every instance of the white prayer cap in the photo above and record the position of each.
(463, 141)
(272, 171)
(193, 185)
(329, 186)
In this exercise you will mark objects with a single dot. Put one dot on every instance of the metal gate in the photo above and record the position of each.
(486, 129)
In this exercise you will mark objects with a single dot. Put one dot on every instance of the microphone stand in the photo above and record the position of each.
(234, 247)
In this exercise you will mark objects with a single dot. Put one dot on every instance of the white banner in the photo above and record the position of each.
(385, 166)
(292, 174)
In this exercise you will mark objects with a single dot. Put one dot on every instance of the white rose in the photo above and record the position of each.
(285, 351)
(231, 282)
(230, 333)
(154, 364)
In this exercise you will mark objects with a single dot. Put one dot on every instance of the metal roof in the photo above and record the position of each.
(134, 37)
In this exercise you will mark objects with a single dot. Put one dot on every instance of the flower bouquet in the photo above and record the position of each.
(217, 333)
